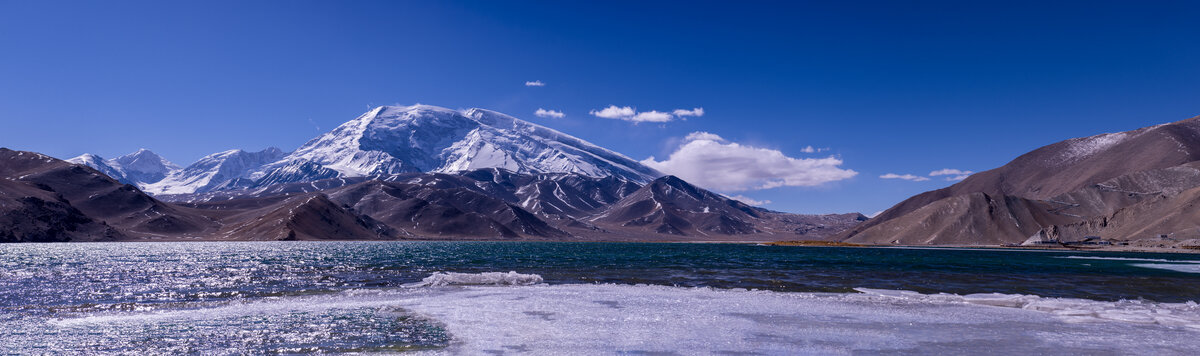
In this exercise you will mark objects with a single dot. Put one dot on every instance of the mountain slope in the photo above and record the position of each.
(29, 213)
(1060, 179)
(1139, 205)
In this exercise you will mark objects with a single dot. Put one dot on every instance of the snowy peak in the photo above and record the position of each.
(229, 169)
(144, 166)
(390, 140)
(137, 168)
(145, 160)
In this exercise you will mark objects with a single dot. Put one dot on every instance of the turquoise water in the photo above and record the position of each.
(301, 297)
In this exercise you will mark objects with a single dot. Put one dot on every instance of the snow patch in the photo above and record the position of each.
(1081, 148)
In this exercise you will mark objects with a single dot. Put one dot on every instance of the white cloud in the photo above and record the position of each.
(954, 174)
(708, 160)
(652, 116)
(549, 113)
(614, 112)
(748, 200)
(628, 113)
(875, 214)
(909, 177)
(693, 112)
(811, 149)
(536, 83)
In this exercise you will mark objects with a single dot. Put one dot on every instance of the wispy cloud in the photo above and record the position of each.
(909, 177)
(811, 149)
(954, 174)
(549, 113)
(693, 112)
(712, 162)
(536, 83)
(748, 200)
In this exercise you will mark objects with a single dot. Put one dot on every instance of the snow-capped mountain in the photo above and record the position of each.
(138, 168)
(421, 138)
(382, 142)
(218, 171)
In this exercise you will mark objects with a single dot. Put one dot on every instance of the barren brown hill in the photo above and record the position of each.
(69, 200)
(1062, 183)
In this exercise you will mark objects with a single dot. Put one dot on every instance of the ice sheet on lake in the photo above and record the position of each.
(648, 319)
(606, 319)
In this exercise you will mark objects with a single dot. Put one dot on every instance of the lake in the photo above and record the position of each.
(555, 298)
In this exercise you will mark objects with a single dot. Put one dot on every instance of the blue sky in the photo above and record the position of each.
(887, 87)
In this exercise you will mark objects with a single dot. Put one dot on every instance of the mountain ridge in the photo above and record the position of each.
(79, 203)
